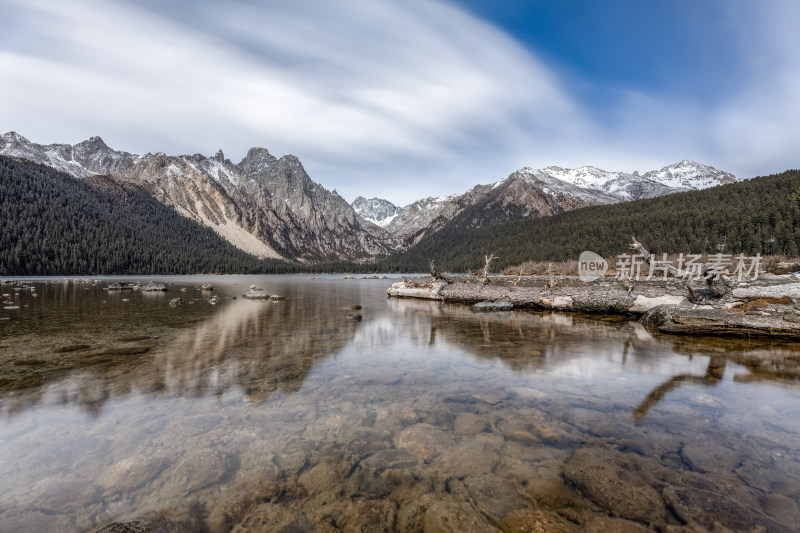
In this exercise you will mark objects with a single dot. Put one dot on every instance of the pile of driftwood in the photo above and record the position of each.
(720, 305)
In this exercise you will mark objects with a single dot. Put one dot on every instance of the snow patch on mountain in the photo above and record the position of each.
(683, 176)
(376, 210)
(551, 184)
(81, 160)
(690, 175)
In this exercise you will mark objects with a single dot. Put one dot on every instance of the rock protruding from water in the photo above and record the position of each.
(256, 293)
(151, 286)
(498, 305)
(121, 286)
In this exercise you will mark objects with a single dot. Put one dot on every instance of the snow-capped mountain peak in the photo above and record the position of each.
(690, 175)
(576, 183)
(376, 210)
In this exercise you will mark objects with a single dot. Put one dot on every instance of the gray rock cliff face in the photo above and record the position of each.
(264, 205)
(301, 215)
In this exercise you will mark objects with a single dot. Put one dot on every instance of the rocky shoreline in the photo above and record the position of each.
(764, 307)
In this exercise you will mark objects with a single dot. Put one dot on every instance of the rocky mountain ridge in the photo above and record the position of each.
(263, 205)
(81, 160)
(526, 192)
(270, 207)
(376, 210)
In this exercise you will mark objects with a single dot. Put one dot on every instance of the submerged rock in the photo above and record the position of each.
(130, 473)
(423, 441)
(708, 508)
(497, 305)
(129, 350)
(616, 481)
(495, 497)
(452, 517)
(376, 516)
(538, 521)
(134, 338)
(186, 520)
(198, 470)
(72, 348)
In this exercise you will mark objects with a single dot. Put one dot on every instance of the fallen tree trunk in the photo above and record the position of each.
(609, 297)
(771, 320)
(770, 310)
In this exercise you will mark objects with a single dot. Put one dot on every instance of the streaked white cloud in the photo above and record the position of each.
(397, 99)
(758, 129)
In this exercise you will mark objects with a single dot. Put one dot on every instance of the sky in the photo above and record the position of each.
(411, 98)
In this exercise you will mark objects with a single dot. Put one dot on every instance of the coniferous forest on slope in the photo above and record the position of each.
(54, 224)
(761, 215)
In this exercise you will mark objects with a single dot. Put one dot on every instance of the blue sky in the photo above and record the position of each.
(655, 46)
(413, 98)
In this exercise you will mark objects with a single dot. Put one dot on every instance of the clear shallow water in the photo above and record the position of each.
(262, 415)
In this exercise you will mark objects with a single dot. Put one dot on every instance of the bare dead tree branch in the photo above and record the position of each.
(435, 274)
(714, 277)
(484, 279)
(648, 258)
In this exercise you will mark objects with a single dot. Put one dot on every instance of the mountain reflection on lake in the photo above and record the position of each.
(287, 416)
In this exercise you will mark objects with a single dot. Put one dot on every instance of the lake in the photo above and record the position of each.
(288, 415)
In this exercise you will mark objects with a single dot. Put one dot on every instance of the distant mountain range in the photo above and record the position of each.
(535, 193)
(269, 207)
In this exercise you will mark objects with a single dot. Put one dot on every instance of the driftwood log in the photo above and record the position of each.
(609, 297)
(763, 310)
